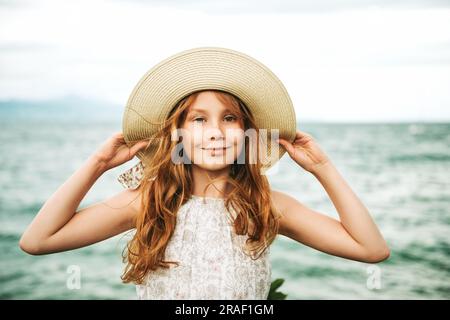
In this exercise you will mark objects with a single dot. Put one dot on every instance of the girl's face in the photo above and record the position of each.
(212, 134)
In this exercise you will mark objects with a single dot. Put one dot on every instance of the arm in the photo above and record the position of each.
(59, 227)
(354, 237)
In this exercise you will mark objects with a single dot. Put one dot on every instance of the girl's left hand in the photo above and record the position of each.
(305, 151)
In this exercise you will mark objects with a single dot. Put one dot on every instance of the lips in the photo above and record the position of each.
(215, 151)
(216, 148)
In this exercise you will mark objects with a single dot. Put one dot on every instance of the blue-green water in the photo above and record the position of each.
(400, 171)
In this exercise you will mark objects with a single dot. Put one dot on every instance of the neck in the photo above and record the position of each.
(201, 177)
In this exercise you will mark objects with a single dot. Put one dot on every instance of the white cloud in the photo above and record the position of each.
(376, 63)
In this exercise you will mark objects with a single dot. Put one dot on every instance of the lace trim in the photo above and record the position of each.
(131, 178)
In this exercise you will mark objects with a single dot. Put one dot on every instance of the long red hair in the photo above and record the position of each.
(166, 186)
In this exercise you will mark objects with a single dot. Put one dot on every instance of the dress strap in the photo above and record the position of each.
(131, 178)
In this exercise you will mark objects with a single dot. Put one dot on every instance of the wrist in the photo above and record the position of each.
(99, 165)
(321, 168)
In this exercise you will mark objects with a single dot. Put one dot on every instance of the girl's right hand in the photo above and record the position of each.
(115, 151)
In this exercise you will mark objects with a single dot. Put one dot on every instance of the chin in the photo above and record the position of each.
(212, 163)
(212, 166)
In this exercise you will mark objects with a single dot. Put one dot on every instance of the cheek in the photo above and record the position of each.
(188, 144)
(194, 135)
(236, 137)
(192, 138)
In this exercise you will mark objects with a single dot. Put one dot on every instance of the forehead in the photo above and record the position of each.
(209, 102)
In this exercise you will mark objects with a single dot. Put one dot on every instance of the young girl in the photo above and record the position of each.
(203, 220)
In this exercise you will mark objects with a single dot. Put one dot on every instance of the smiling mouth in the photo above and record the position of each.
(215, 151)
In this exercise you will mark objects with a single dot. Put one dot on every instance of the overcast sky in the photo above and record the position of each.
(339, 60)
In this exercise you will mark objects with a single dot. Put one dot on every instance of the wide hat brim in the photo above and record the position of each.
(203, 68)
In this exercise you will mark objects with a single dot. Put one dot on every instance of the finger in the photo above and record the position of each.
(289, 148)
(302, 135)
(303, 139)
(138, 146)
(299, 133)
(118, 134)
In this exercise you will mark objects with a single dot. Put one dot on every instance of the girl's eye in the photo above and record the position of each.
(230, 118)
(227, 118)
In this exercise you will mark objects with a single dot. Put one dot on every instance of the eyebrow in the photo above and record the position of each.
(206, 110)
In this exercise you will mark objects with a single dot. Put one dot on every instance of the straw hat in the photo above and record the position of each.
(203, 68)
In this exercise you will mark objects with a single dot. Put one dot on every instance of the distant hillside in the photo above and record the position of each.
(68, 108)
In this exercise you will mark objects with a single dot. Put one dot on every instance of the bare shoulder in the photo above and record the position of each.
(131, 197)
(282, 201)
(128, 202)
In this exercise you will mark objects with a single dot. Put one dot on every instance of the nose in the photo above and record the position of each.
(213, 133)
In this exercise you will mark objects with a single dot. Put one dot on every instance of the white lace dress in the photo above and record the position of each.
(213, 264)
